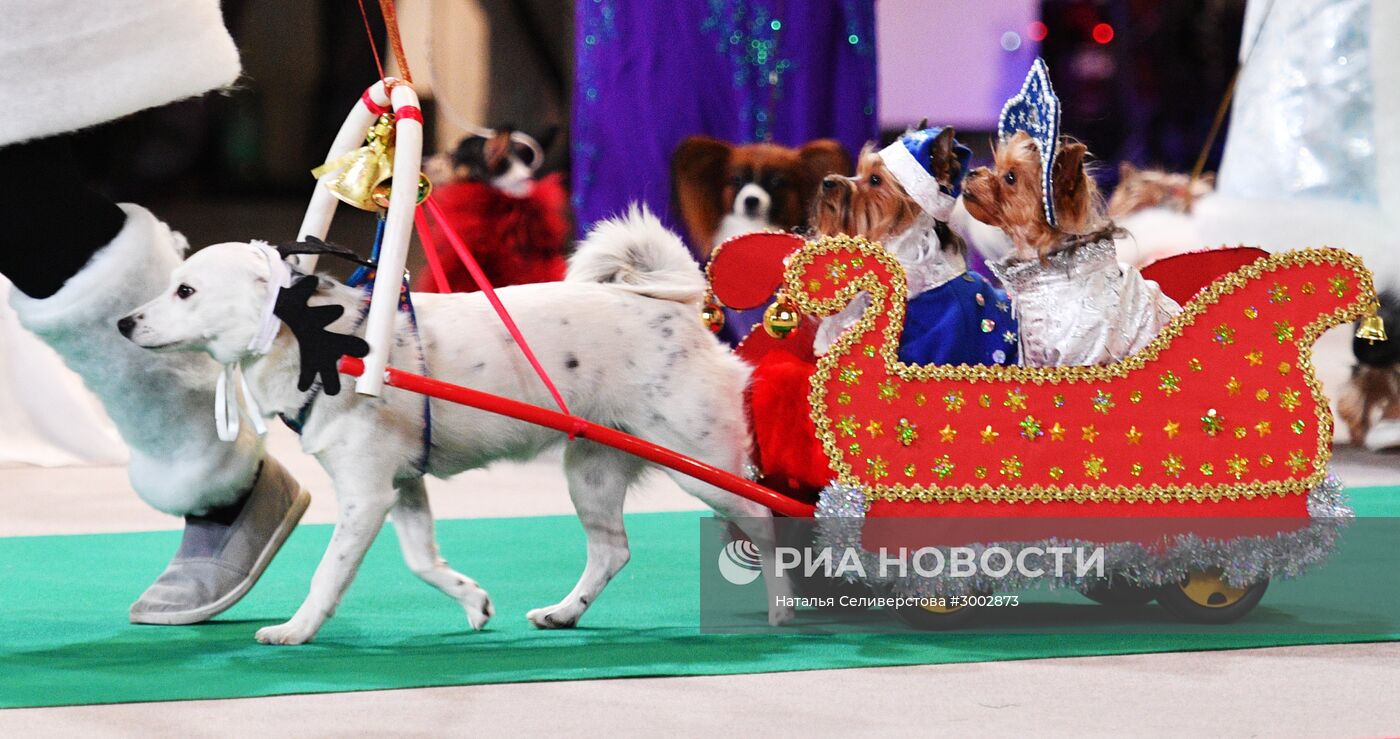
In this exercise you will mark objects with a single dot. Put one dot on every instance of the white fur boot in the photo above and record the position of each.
(163, 406)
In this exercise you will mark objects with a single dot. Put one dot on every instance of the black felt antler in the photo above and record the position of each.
(313, 245)
(320, 349)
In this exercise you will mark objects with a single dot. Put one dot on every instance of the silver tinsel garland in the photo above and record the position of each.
(1242, 560)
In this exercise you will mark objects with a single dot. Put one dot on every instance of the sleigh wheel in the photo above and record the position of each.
(934, 618)
(1203, 597)
(1117, 591)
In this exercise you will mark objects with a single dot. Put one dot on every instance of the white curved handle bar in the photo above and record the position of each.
(398, 228)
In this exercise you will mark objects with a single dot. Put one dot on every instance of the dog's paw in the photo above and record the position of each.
(553, 617)
(287, 634)
(781, 615)
(479, 609)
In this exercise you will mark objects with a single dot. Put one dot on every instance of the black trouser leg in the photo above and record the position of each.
(53, 223)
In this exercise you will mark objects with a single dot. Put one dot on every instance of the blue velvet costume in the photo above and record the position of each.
(953, 316)
(963, 321)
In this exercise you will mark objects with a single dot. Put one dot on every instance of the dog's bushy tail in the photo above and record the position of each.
(635, 252)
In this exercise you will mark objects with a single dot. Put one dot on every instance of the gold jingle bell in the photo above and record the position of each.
(712, 315)
(781, 318)
(384, 191)
(1372, 329)
(353, 177)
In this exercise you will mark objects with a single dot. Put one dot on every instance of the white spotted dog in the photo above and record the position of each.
(621, 336)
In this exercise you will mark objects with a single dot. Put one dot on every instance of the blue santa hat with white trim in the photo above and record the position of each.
(910, 159)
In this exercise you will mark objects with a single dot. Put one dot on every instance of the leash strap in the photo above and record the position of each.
(474, 269)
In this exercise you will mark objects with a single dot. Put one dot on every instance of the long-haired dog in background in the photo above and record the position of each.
(725, 190)
(1153, 207)
(1142, 189)
(659, 374)
(516, 226)
(1369, 403)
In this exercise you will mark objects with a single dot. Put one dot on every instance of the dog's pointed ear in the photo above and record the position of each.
(1071, 183)
(497, 148)
(946, 165)
(319, 348)
(1069, 175)
(1126, 171)
(943, 142)
(697, 178)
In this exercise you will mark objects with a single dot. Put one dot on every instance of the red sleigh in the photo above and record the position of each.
(1220, 415)
(1218, 420)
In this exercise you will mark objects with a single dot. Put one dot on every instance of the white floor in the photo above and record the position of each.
(1298, 691)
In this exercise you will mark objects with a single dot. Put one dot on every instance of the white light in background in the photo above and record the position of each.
(1011, 41)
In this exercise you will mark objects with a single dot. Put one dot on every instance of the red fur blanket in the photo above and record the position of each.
(516, 240)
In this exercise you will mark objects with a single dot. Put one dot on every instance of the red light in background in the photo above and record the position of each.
(1103, 33)
(1037, 31)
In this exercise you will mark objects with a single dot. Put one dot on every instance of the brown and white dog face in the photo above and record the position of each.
(724, 190)
(1008, 196)
(506, 159)
(872, 203)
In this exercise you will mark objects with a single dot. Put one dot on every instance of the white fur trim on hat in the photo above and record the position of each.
(65, 66)
(917, 181)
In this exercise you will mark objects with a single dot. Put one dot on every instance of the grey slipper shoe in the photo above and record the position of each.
(219, 562)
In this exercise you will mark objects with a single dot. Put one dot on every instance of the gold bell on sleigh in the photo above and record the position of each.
(781, 318)
(1372, 329)
(712, 315)
(384, 191)
(355, 175)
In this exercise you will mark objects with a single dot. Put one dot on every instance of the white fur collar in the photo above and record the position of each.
(926, 263)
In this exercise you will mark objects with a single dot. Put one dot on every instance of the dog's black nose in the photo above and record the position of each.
(829, 182)
(126, 326)
(751, 203)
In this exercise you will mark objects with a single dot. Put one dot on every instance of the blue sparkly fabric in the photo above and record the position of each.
(649, 73)
(963, 321)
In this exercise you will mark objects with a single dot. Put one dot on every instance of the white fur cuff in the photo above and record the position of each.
(915, 179)
(125, 273)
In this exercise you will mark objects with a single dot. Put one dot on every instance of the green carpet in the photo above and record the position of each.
(64, 639)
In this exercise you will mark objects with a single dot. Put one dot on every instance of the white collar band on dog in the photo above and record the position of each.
(279, 277)
(918, 182)
(227, 410)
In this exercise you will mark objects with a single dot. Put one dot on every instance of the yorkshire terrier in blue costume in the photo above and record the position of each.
(903, 196)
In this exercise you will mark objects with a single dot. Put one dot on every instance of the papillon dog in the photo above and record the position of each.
(725, 190)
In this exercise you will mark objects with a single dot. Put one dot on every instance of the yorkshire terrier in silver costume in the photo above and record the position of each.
(1076, 304)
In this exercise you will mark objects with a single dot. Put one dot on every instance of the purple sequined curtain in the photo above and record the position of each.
(652, 72)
